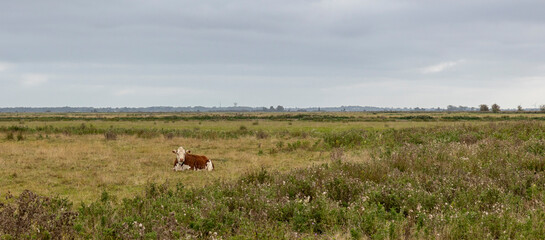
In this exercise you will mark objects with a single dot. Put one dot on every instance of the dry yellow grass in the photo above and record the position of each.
(80, 167)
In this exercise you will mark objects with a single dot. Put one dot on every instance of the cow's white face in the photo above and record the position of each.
(180, 154)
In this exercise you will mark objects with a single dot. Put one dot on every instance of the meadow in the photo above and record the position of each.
(277, 176)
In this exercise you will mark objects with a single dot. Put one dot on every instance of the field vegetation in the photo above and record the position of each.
(341, 176)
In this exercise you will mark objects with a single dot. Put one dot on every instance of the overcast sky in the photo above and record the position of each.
(295, 53)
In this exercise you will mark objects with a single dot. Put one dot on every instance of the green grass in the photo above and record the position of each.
(478, 180)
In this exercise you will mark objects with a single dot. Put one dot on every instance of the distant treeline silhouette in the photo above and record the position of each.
(449, 108)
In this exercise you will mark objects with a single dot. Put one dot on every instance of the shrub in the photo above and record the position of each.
(110, 135)
(31, 216)
(261, 134)
(483, 108)
(257, 177)
(20, 136)
(495, 108)
(10, 136)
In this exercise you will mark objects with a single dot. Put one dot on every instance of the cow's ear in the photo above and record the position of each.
(174, 151)
(188, 151)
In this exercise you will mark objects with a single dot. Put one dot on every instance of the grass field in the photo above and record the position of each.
(312, 175)
(72, 158)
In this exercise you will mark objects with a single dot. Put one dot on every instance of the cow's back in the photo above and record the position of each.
(196, 161)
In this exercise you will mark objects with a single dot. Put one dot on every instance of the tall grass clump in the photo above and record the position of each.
(20, 136)
(10, 136)
(261, 134)
(110, 135)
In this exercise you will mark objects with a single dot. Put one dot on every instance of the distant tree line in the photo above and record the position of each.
(452, 108)
(495, 108)
(272, 109)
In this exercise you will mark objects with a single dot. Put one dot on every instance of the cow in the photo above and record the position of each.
(187, 161)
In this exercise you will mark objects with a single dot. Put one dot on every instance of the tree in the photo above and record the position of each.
(483, 108)
(542, 107)
(519, 108)
(495, 108)
(279, 108)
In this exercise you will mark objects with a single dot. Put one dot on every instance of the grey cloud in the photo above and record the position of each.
(270, 52)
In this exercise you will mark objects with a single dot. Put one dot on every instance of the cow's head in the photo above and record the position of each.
(180, 154)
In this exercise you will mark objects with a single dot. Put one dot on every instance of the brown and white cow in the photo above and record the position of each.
(187, 161)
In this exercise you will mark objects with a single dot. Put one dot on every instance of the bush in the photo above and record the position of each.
(261, 134)
(110, 135)
(20, 136)
(10, 136)
(31, 216)
(258, 177)
(495, 108)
